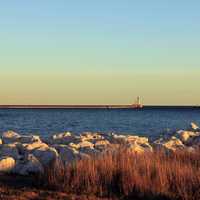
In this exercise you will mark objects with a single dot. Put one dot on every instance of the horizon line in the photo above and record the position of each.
(91, 105)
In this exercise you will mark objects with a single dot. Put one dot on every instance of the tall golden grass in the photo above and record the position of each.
(157, 175)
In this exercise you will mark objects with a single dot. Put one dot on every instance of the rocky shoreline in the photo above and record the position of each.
(27, 155)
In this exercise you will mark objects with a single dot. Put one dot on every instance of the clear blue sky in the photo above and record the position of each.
(63, 52)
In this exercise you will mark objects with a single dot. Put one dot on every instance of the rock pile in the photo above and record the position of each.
(24, 155)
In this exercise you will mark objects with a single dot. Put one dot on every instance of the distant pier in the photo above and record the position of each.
(74, 106)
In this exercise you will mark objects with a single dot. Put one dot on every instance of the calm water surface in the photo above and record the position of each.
(148, 121)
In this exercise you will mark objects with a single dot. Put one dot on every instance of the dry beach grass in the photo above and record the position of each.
(125, 175)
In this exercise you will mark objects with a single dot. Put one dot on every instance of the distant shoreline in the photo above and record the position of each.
(94, 106)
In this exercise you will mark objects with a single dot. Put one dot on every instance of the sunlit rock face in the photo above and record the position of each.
(63, 138)
(124, 139)
(85, 144)
(11, 137)
(190, 138)
(7, 164)
(33, 146)
(186, 136)
(171, 144)
(136, 148)
(89, 136)
(194, 127)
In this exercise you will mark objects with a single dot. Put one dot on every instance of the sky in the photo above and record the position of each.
(100, 52)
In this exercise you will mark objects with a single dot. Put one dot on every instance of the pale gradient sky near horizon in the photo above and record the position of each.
(99, 52)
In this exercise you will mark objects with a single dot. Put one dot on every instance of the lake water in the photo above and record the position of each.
(149, 121)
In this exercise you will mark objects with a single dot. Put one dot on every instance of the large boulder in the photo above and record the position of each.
(7, 164)
(186, 136)
(29, 165)
(194, 127)
(117, 139)
(171, 144)
(101, 144)
(136, 139)
(9, 137)
(46, 155)
(139, 148)
(66, 153)
(85, 144)
(63, 138)
(33, 146)
(89, 136)
(62, 135)
(13, 137)
(128, 139)
(9, 150)
(28, 139)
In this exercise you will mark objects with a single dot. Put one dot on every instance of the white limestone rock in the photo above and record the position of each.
(6, 164)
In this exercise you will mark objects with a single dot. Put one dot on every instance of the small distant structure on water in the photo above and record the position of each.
(137, 103)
